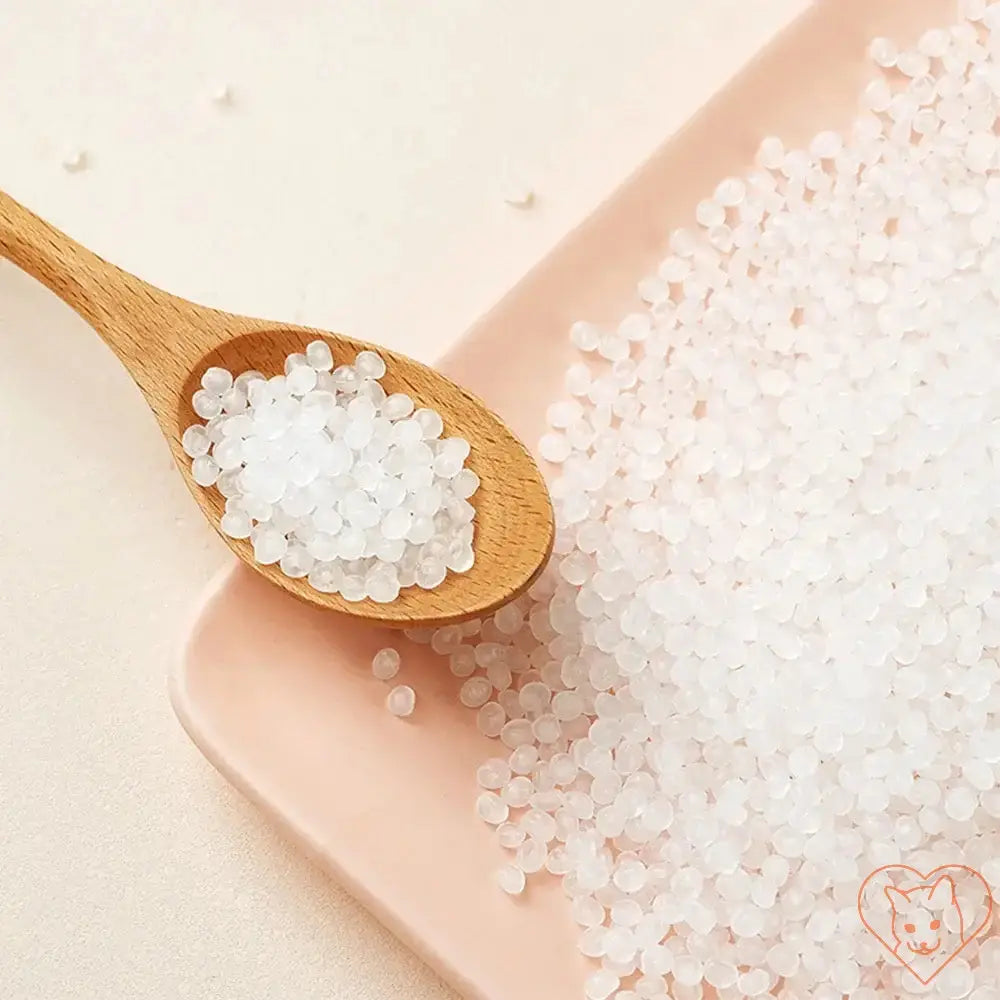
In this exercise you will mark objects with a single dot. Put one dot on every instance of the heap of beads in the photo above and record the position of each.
(762, 661)
(333, 479)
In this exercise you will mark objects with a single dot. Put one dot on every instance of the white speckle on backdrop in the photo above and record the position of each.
(346, 180)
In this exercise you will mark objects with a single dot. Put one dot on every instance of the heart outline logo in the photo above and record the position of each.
(966, 936)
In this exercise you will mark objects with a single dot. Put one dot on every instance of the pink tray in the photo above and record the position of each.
(280, 698)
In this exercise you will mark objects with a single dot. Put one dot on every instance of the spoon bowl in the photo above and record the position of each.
(166, 343)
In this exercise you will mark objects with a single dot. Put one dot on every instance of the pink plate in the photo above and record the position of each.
(280, 697)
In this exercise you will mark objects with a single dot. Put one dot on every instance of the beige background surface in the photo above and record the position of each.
(355, 183)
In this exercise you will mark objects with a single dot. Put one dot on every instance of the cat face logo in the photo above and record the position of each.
(924, 921)
(923, 918)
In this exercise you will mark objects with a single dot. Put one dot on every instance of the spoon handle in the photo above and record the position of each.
(132, 317)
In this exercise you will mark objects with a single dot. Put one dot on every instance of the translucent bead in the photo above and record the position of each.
(296, 562)
(523, 759)
(883, 52)
(464, 484)
(821, 925)
(517, 792)
(973, 10)
(326, 577)
(228, 453)
(462, 662)
(269, 546)
(539, 825)
(587, 911)
(626, 912)
(461, 558)
(730, 192)
(585, 336)
(195, 441)
(516, 733)
(636, 327)
(397, 523)
(235, 525)
(631, 875)
(554, 448)
(530, 856)
(386, 663)
(687, 970)
(242, 382)
(747, 921)
(421, 530)
(845, 976)
(600, 985)
(475, 692)
(401, 700)
(956, 980)
(358, 433)
(491, 808)
(234, 402)
(934, 43)
(511, 880)
(430, 573)
(754, 983)
(535, 696)
(710, 213)
(613, 347)
(493, 774)
(216, 381)
(563, 769)
(510, 836)
(383, 588)
(369, 365)
(546, 729)
(491, 719)
(721, 975)
(397, 406)
(771, 153)
(960, 803)
(567, 706)
(206, 404)
(319, 356)
(783, 960)
(205, 470)
(913, 63)
(301, 380)
(430, 423)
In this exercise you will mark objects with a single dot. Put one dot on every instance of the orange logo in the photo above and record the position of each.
(924, 921)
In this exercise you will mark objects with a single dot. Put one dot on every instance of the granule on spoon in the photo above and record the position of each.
(333, 479)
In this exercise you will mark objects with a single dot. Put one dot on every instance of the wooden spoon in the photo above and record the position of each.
(166, 343)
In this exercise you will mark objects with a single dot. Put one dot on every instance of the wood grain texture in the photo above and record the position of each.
(166, 343)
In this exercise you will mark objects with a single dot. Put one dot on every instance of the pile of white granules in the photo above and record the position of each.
(762, 662)
(332, 479)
